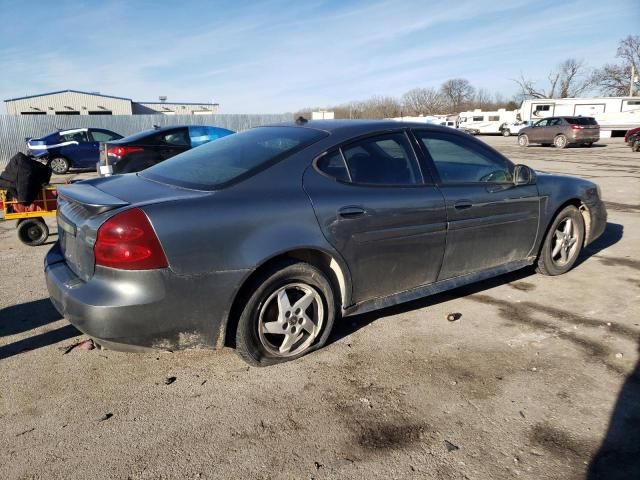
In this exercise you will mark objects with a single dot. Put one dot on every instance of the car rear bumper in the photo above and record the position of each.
(134, 310)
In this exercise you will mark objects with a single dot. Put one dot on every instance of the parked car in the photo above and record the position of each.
(514, 128)
(263, 239)
(561, 132)
(632, 138)
(73, 148)
(142, 150)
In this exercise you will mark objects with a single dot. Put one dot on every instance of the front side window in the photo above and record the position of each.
(99, 136)
(553, 122)
(382, 160)
(459, 161)
(542, 123)
(233, 157)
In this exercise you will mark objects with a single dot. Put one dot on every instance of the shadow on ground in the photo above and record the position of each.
(27, 316)
(619, 455)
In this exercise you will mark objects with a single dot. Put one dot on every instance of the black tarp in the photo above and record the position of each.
(24, 177)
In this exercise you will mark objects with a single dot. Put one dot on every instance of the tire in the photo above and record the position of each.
(59, 165)
(272, 301)
(560, 141)
(33, 232)
(506, 132)
(635, 146)
(562, 244)
(523, 140)
(588, 144)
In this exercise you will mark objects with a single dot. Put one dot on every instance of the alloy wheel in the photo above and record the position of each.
(565, 242)
(291, 319)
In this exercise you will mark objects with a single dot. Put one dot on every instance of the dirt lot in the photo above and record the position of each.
(537, 379)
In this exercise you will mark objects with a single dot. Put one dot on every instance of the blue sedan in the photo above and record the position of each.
(73, 148)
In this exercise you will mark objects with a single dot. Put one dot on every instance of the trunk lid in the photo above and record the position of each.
(84, 206)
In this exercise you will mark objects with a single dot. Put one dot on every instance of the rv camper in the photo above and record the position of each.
(479, 122)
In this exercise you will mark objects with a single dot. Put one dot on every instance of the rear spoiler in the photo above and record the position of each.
(90, 197)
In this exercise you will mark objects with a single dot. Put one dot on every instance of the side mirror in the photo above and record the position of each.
(523, 175)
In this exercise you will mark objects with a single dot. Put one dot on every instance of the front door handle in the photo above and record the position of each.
(351, 212)
(462, 204)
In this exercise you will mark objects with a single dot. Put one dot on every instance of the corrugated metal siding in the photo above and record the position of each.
(75, 100)
(14, 129)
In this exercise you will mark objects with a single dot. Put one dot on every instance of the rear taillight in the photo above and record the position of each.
(119, 151)
(127, 241)
(577, 127)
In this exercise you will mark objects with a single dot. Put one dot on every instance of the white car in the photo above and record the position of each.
(513, 128)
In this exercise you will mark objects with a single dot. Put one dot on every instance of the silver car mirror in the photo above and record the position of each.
(523, 175)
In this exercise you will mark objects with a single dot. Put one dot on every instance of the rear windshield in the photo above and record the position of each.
(581, 121)
(232, 158)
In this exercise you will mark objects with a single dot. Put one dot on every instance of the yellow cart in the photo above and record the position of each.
(32, 229)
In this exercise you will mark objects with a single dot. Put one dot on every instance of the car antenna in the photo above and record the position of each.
(301, 120)
(156, 127)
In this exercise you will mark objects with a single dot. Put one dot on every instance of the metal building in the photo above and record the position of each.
(75, 102)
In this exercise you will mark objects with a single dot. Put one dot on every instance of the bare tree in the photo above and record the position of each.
(571, 78)
(613, 79)
(457, 92)
(423, 101)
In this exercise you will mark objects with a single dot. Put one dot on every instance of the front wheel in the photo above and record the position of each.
(635, 146)
(560, 141)
(289, 314)
(506, 132)
(563, 242)
(523, 140)
(33, 231)
(59, 165)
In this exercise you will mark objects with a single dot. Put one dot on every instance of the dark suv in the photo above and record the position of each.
(561, 131)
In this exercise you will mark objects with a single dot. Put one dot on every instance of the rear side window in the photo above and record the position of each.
(232, 158)
(101, 136)
(78, 136)
(333, 165)
(177, 137)
(382, 160)
(581, 120)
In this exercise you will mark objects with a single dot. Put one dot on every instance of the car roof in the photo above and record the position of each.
(358, 126)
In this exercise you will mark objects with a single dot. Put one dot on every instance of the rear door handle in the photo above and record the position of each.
(462, 204)
(351, 212)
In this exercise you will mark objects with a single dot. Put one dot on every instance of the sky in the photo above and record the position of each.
(281, 56)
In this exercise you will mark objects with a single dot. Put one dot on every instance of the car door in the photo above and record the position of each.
(491, 221)
(375, 208)
(556, 126)
(538, 131)
(78, 149)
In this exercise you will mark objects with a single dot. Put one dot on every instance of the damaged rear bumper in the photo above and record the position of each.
(137, 310)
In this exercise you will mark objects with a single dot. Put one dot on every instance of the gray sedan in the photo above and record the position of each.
(263, 239)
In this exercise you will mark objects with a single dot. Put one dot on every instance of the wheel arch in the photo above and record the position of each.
(331, 265)
(586, 217)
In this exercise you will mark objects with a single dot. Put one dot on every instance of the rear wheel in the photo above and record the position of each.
(523, 140)
(560, 141)
(33, 231)
(59, 165)
(563, 242)
(289, 313)
(506, 132)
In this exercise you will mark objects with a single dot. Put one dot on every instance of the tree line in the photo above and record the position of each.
(571, 78)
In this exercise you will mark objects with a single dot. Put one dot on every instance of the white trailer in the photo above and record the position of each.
(615, 115)
(477, 121)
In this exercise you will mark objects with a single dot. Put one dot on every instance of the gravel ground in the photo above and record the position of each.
(539, 377)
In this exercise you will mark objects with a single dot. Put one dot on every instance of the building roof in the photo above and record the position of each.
(95, 94)
(176, 103)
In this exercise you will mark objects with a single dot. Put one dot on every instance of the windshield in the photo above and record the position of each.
(233, 157)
